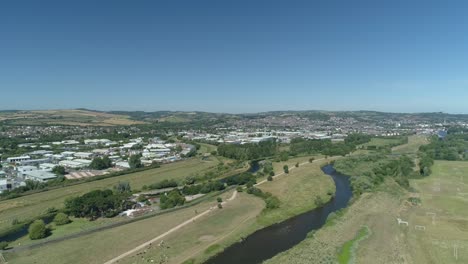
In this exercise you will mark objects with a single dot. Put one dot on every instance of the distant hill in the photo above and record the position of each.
(82, 117)
(77, 117)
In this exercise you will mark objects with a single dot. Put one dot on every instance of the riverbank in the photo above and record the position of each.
(267, 242)
(375, 210)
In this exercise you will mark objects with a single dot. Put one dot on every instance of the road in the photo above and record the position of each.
(191, 220)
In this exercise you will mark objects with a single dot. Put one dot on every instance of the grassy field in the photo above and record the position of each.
(375, 210)
(102, 246)
(66, 117)
(414, 142)
(297, 190)
(382, 142)
(35, 204)
(444, 199)
(347, 253)
(208, 236)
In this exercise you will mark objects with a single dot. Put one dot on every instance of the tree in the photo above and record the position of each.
(286, 169)
(311, 160)
(59, 170)
(220, 206)
(123, 187)
(37, 230)
(61, 219)
(135, 162)
(219, 199)
(270, 178)
(297, 164)
(100, 163)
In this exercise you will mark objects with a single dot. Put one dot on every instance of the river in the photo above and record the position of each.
(267, 242)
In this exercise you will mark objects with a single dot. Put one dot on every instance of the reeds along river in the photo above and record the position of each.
(267, 242)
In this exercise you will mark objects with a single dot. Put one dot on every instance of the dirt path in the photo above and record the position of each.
(172, 230)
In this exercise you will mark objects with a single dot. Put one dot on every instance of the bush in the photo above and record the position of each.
(239, 189)
(61, 219)
(220, 205)
(3, 245)
(270, 178)
(37, 230)
(286, 169)
(219, 199)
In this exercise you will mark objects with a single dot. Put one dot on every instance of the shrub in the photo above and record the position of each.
(219, 199)
(61, 219)
(270, 178)
(3, 245)
(37, 230)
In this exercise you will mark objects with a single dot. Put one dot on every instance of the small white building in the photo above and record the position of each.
(5, 185)
(123, 164)
(83, 155)
(71, 164)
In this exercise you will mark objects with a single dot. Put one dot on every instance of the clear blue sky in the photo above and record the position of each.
(234, 56)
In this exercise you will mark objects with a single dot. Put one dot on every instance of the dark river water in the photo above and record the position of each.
(267, 242)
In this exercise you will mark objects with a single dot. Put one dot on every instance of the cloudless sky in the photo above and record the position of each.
(234, 56)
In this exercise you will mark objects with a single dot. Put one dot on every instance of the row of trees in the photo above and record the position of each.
(453, 147)
(368, 171)
(249, 151)
(327, 147)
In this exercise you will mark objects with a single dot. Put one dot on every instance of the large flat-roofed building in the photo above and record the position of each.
(22, 170)
(39, 175)
(71, 164)
(18, 159)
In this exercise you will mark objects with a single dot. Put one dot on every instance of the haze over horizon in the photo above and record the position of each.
(235, 57)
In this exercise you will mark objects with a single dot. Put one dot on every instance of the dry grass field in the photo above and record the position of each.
(297, 190)
(66, 117)
(444, 199)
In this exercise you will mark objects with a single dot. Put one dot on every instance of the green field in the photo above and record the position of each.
(382, 142)
(412, 147)
(30, 206)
